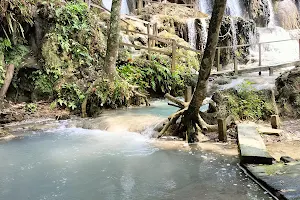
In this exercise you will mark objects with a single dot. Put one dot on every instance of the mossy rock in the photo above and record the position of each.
(247, 103)
(288, 93)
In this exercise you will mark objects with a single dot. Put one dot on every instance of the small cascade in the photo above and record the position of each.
(234, 38)
(272, 21)
(205, 6)
(277, 52)
(298, 4)
(204, 33)
(234, 8)
(124, 6)
(192, 33)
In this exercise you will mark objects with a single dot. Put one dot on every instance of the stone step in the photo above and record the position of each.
(251, 145)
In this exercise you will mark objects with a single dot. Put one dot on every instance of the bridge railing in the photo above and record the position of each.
(153, 38)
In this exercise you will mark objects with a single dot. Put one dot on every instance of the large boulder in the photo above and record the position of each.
(288, 93)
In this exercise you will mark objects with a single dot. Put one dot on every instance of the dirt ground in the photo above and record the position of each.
(288, 143)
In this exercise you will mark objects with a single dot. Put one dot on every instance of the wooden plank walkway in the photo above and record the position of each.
(269, 68)
(252, 147)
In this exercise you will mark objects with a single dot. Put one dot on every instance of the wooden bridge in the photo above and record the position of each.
(153, 38)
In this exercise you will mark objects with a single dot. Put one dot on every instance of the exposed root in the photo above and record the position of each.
(172, 120)
(192, 126)
(90, 91)
(142, 96)
(180, 103)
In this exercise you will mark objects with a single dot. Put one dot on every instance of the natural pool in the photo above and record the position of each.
(78, 164)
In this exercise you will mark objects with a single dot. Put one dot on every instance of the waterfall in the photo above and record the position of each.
(272, 21)
(204, 33)
(192, 33)
(205, 6)
(124, 6)
(234, 8)
(233, 32)
(280, 51)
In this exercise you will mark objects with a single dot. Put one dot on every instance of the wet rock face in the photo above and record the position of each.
(288, 15)
(258, 11)
(288, 92)
(244, 32)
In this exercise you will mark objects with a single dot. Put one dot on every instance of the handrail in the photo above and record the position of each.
(136, 19)
(153, 38)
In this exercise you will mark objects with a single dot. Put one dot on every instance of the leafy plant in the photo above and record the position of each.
(248, 103)
(153, 75)
(69, 96)
(31, 107)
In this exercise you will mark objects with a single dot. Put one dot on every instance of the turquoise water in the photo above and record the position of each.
(78, 164)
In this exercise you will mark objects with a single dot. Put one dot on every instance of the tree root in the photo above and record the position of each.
(195, 125)
(172, 120)
(90, 91)
(180, 103)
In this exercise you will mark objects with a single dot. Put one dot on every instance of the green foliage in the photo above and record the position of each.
(69, 96)
(31, 107)
(153, 75)
(16, 54)
(249, 104)
(113, 94)
(43, 83)
(73, 41)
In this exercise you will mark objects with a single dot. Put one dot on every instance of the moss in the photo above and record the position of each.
(272, 169)
(247, 103)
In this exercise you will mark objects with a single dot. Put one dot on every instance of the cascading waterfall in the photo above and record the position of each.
(192, 33)
(234, 38)
(234, 8)
(272, 21)
(204, 33)
(205, 6)
(284, 51)
(124, 6)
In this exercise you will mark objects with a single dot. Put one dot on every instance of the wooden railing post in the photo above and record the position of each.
(235, 64)
(188, 94)
(222, 130)
(89, 4)
(155, 32)
(139, 6)
(149, 41)
(299, 48)
(218, 59)
(174, 47)
(259, 52)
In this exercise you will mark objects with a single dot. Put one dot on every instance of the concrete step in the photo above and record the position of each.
(252, 147)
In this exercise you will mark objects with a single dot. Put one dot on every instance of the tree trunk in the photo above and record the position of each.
(191, 116)
(113, 40)
(209, 55)
(7, 80)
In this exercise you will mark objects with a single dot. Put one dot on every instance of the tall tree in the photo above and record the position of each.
(113, 40)
(191, 118)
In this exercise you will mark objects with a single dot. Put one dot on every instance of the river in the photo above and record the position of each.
(80, 164)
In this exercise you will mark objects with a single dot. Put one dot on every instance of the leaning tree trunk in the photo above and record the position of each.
(7, 81)
(113, 40)
(191, 121)
(191, 116)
